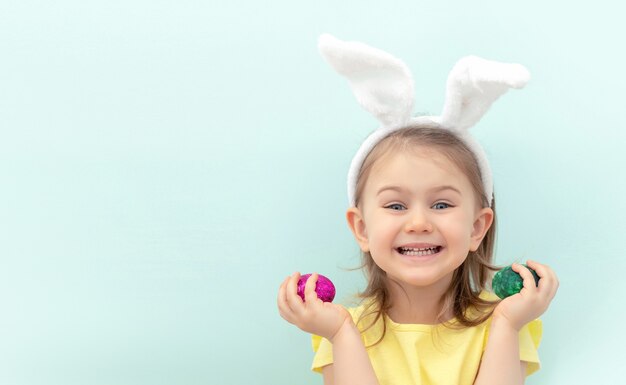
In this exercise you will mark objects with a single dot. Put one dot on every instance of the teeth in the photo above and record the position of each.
(418, 252)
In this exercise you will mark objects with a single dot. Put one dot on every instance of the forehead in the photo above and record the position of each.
(416, 170)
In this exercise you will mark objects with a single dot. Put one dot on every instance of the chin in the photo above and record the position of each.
(423, 278)
(417, 281)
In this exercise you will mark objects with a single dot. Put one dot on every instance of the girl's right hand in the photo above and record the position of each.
(312, 315)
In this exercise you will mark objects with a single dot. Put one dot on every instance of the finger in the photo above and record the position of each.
(286, 313)
(556, 282)
(284, 308)
(310, 295)
(549, 283)
(541, 269)
(545, 274)
(284, 316)
(527, 277)
(293, 299)
(283, 305)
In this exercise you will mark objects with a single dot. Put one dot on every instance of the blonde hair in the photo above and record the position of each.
(469, 279)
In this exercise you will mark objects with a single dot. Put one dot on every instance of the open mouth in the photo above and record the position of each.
(419, 252)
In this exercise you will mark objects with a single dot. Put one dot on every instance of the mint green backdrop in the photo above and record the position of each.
(165, 164)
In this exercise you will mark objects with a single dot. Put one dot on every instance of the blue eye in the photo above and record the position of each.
(391, 206)
(438, 205)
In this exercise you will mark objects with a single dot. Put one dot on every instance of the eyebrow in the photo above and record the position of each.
(434, 189)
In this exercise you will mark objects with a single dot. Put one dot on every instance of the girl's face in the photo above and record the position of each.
(419, 217)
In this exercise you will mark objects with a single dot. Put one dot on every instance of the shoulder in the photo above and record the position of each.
(358, 311)
(363, 308)
(488, 296)
(323, 348)
(480, 309)
(529, 336)
(366, 314)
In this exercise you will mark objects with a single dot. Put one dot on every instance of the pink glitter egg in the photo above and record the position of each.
(323, 287)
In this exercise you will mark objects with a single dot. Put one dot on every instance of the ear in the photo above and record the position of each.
(482, 223)
(357, 226)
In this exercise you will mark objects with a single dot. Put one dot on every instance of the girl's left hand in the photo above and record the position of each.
(532, 301)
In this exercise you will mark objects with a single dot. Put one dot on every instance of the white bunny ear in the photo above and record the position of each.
(473, 85)
(382, 84)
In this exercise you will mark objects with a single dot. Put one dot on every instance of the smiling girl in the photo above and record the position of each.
(422, 211)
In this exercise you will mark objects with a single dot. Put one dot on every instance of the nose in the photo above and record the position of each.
(418, 222)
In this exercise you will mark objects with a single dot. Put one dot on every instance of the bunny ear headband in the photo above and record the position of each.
(383, 85)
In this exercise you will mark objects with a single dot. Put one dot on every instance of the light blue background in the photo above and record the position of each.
(165, 164)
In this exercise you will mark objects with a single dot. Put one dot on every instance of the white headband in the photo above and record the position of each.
(383, 85)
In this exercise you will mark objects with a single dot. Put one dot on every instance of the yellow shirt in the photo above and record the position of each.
(428, 354)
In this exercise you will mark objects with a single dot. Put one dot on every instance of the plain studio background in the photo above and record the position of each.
(166, 164)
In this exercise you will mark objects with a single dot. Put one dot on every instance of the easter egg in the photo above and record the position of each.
(324, 287)
(506, 282)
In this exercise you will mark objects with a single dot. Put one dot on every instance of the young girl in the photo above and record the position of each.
(423, 213)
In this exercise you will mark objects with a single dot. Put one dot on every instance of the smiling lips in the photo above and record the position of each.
(419, 249)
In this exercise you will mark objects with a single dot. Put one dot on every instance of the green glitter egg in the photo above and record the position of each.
(506, 282)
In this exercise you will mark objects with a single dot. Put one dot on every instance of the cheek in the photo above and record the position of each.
(380, 262)
(459, 228)
(376, 227)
